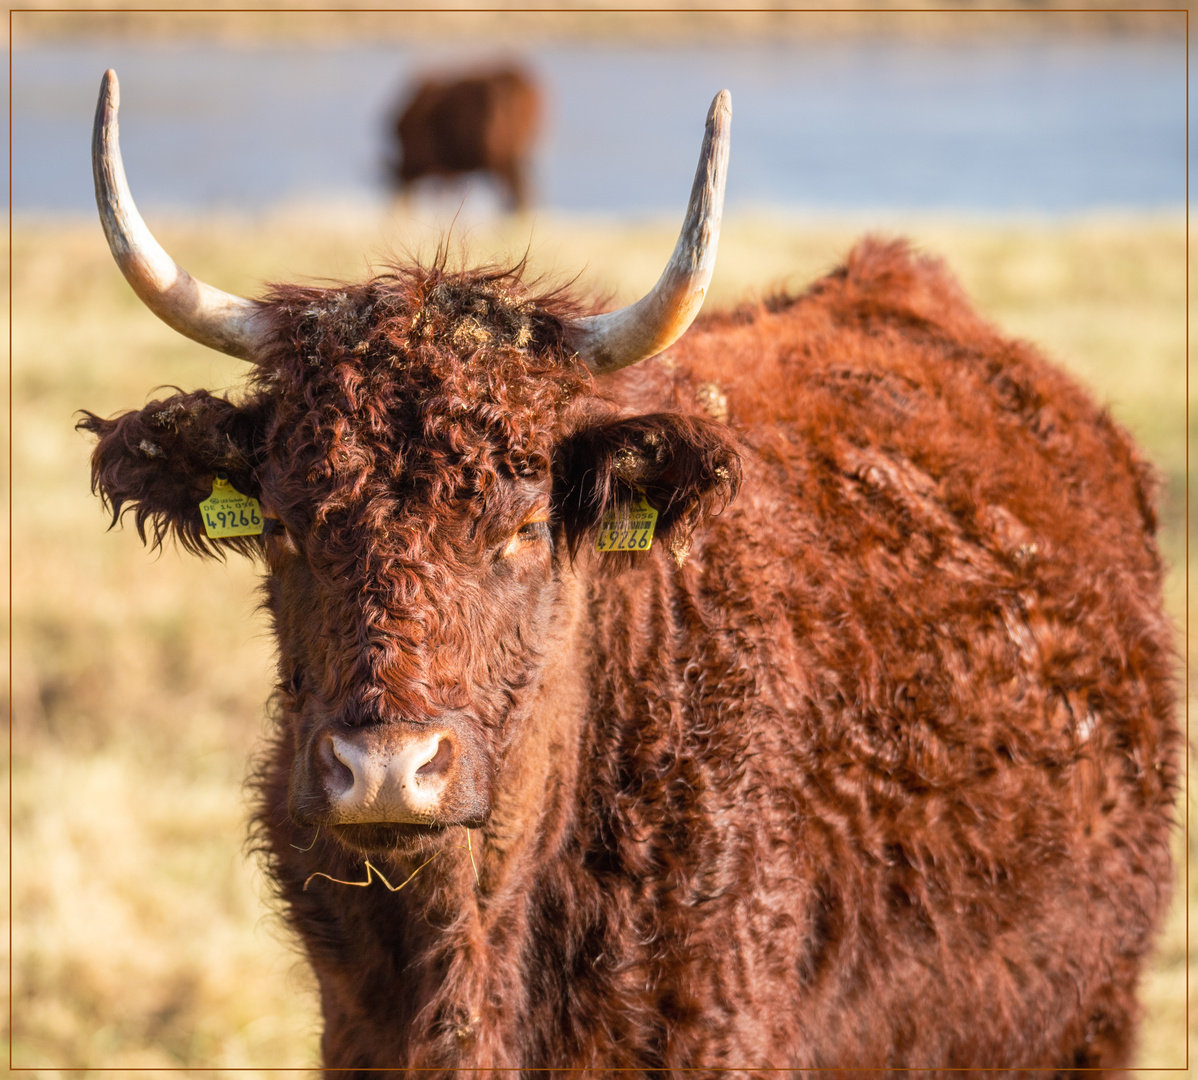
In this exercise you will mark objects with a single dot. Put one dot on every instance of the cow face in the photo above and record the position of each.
(430, 454)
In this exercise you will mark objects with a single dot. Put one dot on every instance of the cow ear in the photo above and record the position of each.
(686, 466)
(160, 461)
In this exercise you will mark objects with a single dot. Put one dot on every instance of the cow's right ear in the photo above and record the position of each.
(688, 467)
(160, 461)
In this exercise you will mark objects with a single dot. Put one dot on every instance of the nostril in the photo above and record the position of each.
(439, 762)
(339, 760)
(341, 777)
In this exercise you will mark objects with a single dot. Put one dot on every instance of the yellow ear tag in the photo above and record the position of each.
(629, 529)
(226, 512)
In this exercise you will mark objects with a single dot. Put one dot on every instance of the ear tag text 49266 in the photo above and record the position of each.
(226, 512)
(627, 529)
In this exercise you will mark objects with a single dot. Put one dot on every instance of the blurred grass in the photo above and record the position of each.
(140, 933)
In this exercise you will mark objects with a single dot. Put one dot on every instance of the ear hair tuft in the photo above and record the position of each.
(159, 463)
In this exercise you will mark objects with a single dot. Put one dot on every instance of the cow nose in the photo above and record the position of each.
(388, 778)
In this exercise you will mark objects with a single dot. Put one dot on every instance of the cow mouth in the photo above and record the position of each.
(377, 838)
(403, 840)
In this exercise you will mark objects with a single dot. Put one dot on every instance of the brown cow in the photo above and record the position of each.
(870, 766)
(481, 123)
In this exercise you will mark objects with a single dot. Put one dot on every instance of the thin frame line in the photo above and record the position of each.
(551, 11)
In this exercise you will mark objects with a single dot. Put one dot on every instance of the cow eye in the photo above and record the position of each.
(295, 683)
(534, 530)
(275, 530)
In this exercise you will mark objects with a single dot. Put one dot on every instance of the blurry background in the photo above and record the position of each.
(1047, 124)
(1041, 152)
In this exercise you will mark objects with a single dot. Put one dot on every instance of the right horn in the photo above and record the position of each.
(217, 319)
(617, 339)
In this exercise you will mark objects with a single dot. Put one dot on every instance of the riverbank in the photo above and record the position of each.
(575, 20)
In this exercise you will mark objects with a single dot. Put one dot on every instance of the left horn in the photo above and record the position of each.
(619, 338)
(213, 318)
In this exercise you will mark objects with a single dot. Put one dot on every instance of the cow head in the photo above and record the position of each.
(429, 448)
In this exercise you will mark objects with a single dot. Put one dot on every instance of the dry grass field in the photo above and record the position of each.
(142, 933)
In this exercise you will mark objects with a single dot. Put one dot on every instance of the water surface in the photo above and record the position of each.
(1009, 125)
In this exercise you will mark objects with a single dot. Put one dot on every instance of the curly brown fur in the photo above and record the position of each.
(881, 775)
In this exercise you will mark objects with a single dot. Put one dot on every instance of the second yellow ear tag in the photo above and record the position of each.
(226, 512)
(627, 529)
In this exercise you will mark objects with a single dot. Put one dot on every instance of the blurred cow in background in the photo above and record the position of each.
(481, 123)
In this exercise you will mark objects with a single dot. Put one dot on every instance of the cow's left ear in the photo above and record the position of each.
(686, 466)
(159, 462)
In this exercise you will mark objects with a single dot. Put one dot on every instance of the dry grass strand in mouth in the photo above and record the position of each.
(315, 837)
(371, 869)
(470, 852)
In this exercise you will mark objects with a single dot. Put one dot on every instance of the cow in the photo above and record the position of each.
(452, 126)
(793, 692)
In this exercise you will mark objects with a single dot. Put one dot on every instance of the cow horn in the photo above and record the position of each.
(213, 318)
(619, 338)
